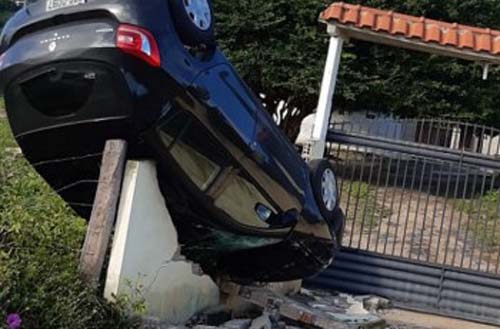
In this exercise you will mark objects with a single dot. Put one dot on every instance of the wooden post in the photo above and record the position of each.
(104, 211)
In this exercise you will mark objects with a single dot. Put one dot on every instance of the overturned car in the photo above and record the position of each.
(76, 73)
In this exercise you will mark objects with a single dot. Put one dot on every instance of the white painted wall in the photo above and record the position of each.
(491, 145)
(380, 125)
(145, 251)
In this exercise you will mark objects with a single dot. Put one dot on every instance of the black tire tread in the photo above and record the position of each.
(188, 32)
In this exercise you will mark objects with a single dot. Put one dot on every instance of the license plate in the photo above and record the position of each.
(59, 4)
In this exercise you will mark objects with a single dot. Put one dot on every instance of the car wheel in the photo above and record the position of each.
(194, 21)
(324, 185)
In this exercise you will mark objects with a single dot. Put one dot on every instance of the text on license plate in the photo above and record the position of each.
(58, 4)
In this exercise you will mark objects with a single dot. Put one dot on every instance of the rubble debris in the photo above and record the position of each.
(262, 322)
(321, 310)
(308, 309)
(238, 324)
(374, 303)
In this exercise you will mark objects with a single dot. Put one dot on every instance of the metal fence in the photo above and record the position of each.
(422, 190)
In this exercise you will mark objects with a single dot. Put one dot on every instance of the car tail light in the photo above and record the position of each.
(138, 42)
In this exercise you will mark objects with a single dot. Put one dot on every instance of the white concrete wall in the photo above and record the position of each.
(491, 145)
(381, 125)
(145, 253)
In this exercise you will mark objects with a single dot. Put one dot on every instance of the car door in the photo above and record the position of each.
(268, 158)
(213, 174)
(231, 109)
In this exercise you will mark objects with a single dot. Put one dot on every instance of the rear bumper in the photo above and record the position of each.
(62, 125)
(62, 113)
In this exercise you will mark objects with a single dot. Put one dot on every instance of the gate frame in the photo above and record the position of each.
(357, 269)
(345, 22)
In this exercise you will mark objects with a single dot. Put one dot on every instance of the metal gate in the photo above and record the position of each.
(422, 204)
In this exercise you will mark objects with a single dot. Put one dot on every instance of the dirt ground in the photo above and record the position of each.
(418, 226)
(400, 319)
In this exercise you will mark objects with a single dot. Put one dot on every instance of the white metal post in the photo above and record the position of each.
(328, 85)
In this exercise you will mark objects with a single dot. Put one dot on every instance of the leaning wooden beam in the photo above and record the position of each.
(104, 211)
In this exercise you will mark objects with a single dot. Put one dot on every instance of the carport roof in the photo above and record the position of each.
(418, 33)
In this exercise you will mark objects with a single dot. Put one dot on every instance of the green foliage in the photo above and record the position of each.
(484, 222)
(40, 239)
(279, 48)
(7, 7)
(6, 139)
(365, 208)
(412, 84)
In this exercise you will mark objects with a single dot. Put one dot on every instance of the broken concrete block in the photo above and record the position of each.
(145, 254)
(356, 307)
(242, 308)
(262, 322)
(374, 304)
(288, 288)
(237, 324)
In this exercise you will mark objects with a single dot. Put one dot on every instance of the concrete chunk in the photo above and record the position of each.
(262, 322)
(237, 324)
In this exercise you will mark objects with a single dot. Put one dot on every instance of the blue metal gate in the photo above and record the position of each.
(422, 205)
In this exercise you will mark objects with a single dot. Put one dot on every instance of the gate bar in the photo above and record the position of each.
(411, 148)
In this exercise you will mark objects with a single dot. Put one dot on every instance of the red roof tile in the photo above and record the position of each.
(411, 27)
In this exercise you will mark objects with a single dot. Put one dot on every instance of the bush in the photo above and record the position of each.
(483, 219)
(40, 241)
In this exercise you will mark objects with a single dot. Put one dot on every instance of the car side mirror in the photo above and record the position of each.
(286, 219)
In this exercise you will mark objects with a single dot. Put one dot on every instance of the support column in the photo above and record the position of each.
(328, 85)
(145, 262)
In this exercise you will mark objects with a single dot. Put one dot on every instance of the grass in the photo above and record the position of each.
(6, 139)
(2, 107)
(364, 207)
(485, 221)
(40, 241)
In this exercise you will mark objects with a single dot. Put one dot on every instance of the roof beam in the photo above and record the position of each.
(353, 32)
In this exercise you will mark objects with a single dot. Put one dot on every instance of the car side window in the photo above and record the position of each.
(170, 130)
(194, 149)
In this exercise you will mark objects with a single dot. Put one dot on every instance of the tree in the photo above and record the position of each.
(412, 84)
(279, 48)
(7, 7)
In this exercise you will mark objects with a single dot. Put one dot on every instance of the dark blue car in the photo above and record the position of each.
(76, 73)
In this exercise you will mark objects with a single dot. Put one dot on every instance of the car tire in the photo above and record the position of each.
(194, 22)
(324, 185)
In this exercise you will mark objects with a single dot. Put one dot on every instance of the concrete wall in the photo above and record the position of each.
(146, 254)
